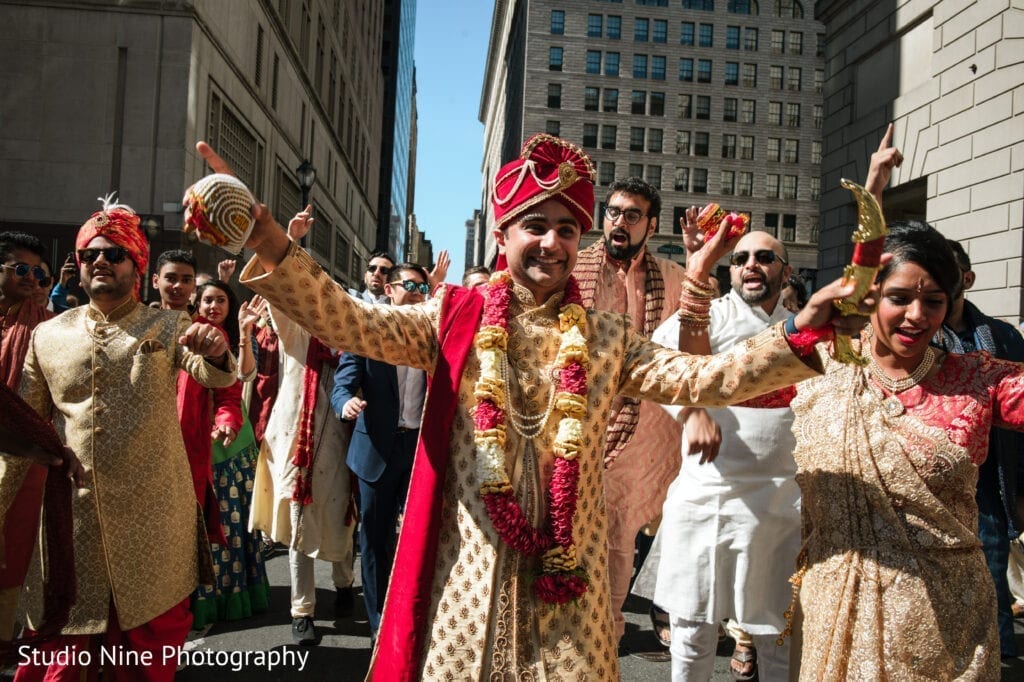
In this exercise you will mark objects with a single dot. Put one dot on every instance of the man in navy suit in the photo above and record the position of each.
(383, 442)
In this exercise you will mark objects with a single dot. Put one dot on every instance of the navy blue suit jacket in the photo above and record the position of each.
(373, 438)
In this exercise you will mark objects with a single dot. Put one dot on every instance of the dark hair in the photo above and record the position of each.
(380, 254)
(799, 286)
(230, 323)
(175, 256)
(396, 272)
(640, 187)
(9, 241)
(962, 259)
(475, 270)
(913, 241)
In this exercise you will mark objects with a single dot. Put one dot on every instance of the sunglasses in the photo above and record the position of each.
(631, 215)
(382, 269)
(22, 270)
(762, 256)
(411, 286)
(112, 254)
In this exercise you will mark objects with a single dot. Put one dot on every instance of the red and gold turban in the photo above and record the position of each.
(547, 168)
(122, 226)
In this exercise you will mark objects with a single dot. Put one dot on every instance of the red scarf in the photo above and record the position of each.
(265, 386)
(316, 355)
(15, 340)
(403, 627)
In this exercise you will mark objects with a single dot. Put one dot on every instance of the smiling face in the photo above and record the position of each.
(755, 282)
(540, 248)
(399, 295)
(15, 289)
(176, 283)
(909, 314)
(105, 281)
(623, 241)
(214, 305)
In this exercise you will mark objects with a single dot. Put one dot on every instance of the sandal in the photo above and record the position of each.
(745, 657)
(661, 624)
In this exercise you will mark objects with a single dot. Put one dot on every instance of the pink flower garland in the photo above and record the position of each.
(561, 579)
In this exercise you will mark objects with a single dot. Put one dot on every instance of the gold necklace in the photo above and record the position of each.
(903, 383)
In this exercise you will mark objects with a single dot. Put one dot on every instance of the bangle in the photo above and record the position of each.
(790, 327)
(695, 286)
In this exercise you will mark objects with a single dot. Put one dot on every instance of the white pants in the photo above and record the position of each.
(693, 653)
(304, 581)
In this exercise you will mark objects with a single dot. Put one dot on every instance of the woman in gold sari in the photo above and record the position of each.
(894, 582)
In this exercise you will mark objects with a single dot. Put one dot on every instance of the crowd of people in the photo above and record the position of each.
(496, 448)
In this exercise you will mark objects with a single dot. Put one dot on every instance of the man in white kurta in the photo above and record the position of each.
(737, 518)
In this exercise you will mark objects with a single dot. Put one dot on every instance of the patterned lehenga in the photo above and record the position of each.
(896, 585)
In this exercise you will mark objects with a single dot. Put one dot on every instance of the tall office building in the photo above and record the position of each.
(396, 156)
(112, 96)
(707, 100)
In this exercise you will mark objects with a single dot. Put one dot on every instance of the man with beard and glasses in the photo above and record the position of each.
(377, 270)
(619, 274)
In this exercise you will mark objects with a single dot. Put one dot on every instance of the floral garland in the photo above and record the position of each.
(561, 579)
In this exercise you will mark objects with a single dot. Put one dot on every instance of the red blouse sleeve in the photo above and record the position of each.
(1008, 393)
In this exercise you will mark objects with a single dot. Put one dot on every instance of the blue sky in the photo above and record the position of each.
(451, 48)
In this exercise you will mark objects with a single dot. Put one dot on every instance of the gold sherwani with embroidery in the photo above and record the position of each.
(485, 622)
(109, 386)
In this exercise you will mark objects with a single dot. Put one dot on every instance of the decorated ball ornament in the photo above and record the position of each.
(711, 216)
(218, 209)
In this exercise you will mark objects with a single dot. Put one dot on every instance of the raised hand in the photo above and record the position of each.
(225, 269)
(701, 257)
(299, 226)
(885, 158)
(440, 271)
(249, 314)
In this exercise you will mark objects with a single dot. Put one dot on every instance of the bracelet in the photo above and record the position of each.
(696, 286)
(790, 326)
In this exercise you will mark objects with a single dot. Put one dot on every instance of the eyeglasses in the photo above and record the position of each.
(382, 269)
(112, 254)
(631, 215)
(411, 286)
(762, 256)
(22, 270)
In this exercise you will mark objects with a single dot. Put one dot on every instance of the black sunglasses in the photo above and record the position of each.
(22, 270)
(112, 254)
(762, 256)
(411, 286)
(382, 269)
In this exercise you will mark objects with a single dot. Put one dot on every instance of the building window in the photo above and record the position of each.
(686, 69)
(728, 146)
(655, 140)
(793, 115)
(590, 97)
(654, 176)
(590, 135)
(657, 107)
(815, 188)
(557, 22)
(554, 96)
(812, 235)
(659, 32)
(274, 73)
(611, 100)
(703, 70)
(748, 111)
(230, 134)
(820, 44)
(789, 9)
(686, 33)
(342, 253)
(608, 134)
(789, 187)
(611, 64)
(772, 187)
(818, 115)
(750, 39)
(788, 233)
(732, 73)
(705, 36)
(819, 80)
(745, 184)
(258, 71)
(594, 25)
(774, 148)
(685, 106)
(639, 66)
(614, 27)
(553, 128)
(638, 102)
(593, 61)
(729, 112)
(816, 152)
(658, 68)
(636, 170)
(606, 173)
(778, 42)
(682, 181)
(700, 144)
(732, 37)
(739, 6)
(683, 142)
(640, 30)
(775, 77)
(793, 77)
(705, 5)
(555, 59)
(750, 75)
(791, 151)
(636, 139)
(775, 113)
(796, 42)
(700, 180)
(747, 147)
(771, 223)
(703, 107)
(728, 182)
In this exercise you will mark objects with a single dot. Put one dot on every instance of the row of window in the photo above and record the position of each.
(594, 99)
(781, 8)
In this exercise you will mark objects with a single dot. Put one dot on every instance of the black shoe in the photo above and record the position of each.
(344, 602)
(303, 632)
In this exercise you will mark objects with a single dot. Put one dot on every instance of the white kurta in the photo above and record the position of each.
(318, 529)
(736, 520)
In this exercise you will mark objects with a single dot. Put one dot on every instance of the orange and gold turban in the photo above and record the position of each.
(547, 168)
(122, 226)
